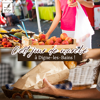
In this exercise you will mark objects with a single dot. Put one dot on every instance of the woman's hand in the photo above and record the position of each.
(47, 89)
(72, 4)
(87, 3)
(47, 36)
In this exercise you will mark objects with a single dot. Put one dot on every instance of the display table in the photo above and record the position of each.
(46, 13)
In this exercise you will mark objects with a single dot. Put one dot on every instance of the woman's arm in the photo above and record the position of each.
(26, 2)
(92, 54)
(50, 89)
(86, 93)
(56, 19)
(88, 3)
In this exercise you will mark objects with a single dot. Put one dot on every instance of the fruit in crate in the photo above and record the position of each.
(58, 40)
(0, 39)
(19, 35)
(0, 35)
(41, 43)
(69, 39)
(2, 30)
(4, 42)
(13, 30)
(53, 38)
(10, 38)
(56, 43)
(33, 39)
(0, 42)
(15, 38)
(8, 41)
(9, 44)
(63, 36)
(42, 37)
(49, 42)
(65, 42)
(4, 39)
(62, 40)
(35, 43)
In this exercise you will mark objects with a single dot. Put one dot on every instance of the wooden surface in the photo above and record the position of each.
(3, 96)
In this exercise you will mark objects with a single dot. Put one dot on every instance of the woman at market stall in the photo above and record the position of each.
(17, 8)
(29, 8)
(66, 12)
(86, 93)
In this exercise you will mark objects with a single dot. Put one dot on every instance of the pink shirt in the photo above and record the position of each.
(30, 5)
(68, 16)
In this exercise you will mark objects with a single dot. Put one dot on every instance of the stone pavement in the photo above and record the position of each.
(32, 26)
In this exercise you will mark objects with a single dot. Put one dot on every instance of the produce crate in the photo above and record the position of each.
(27, 42)
(14, 43)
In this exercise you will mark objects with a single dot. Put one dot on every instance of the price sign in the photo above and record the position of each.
(7, 6)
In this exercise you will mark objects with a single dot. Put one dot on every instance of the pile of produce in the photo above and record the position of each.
(2, 30)
(10, 41)
(62, 40)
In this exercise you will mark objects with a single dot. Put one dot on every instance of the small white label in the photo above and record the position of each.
(7, 6)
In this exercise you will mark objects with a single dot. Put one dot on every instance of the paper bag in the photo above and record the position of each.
(53, 71)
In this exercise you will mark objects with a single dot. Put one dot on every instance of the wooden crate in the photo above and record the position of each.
(27, 42)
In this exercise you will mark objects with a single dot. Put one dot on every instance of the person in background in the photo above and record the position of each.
(8, 19)
(93, 93)
(17, 8)
(34, 11)
(29, 8)
(66, 12)
(22, 14)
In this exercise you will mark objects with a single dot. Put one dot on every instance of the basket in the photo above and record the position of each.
(84, 75)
